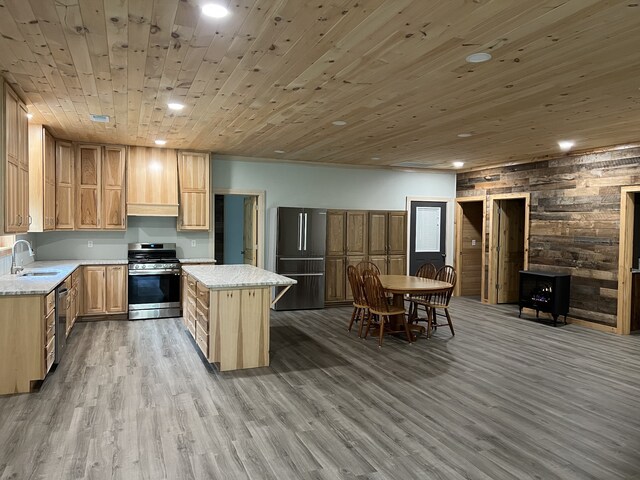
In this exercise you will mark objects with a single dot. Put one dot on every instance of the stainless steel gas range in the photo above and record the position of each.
(154, 281)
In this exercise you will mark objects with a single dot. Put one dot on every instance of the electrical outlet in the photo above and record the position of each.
(193, 243)
(90, 244)
(473, 243)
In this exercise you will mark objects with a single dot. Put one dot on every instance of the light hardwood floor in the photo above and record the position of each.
(506, 398)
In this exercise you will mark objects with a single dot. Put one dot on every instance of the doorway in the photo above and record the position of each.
(470, 253)
(629, 262)
(509, 246)
(237, 229)
(427, 234)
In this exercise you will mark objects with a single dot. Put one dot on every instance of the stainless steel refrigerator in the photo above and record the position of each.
(300, 254)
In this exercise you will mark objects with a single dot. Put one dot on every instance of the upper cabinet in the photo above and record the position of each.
(42, 179)
(152, 183)
(100, 199)
(64, 186)
(15, 163)
(193, 181)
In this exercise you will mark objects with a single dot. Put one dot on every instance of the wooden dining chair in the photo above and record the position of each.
(441, 300)
(366, 265)
(381, 309)
(360, 306)
(426, 270)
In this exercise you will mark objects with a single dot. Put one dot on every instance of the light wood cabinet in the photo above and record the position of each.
(193, 181)
(88, 177)
(357, 232)
(104, 289)
(113, 188)
(42, 179)
(15, 164)
(65, 175)
(352, 260)
(152, 182)
(377, 233)
(380, 261)
(100, 176)
(336, 222)
(116, 289)
(397, 264)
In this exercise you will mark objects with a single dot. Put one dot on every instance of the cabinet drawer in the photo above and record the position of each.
(50, 326)
(191, 285)
(202, 339)
(203, 294)
(202, 317)
(50, 353)
(49, 303)
(192, 328)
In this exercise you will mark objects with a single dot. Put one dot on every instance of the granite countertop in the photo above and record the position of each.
(187, 261)
(41, 285)
(236, 276)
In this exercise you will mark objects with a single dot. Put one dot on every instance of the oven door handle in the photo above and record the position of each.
(136, 273)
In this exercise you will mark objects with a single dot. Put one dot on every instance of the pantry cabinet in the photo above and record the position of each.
(65, 184)
(42, 179)
(14, 171)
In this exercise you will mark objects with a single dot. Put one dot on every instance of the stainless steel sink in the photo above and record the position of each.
(38, 274)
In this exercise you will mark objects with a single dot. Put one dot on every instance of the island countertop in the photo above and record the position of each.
(220, 277)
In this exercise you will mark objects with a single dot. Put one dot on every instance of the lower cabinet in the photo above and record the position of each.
(104, 289)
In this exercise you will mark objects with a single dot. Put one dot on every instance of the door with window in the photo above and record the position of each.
(427, 243)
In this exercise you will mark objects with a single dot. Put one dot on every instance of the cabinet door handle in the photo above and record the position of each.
(30, 220)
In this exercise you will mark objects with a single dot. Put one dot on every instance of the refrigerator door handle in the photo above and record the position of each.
(305, 231)
(300, 231)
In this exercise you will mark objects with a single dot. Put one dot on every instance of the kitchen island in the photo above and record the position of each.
(226, 309)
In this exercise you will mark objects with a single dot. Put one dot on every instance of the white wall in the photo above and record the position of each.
(304, 185)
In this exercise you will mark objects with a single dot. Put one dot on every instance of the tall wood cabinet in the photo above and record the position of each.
(357, 235)
(193, 184)
(42, 179)
(65, 211)
(15, 163)
(100, 199)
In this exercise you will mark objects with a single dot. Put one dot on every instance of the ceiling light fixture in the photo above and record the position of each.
(175, 106)
(29, 116)
(160, 142)
(566, 145)
(215, 11)
(478, 57)
(99, 118)
(458, 164)
(465, 135)
(339, 123)
(375, 158)
(278, 151)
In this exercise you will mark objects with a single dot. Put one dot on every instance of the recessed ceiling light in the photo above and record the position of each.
(479, 57)
(215, 11)
(175, 106)
(458, 164)
(160, 142)
(566, 145)
(278, 151)
(99, 118)
(29, 116)
(465, 135)
(339, 123)
(375, 158)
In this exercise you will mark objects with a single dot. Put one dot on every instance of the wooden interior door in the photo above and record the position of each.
(471, 248)
(510, 248)
(250, 229)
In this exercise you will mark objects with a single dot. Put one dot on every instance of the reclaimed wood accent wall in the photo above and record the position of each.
(575, 219)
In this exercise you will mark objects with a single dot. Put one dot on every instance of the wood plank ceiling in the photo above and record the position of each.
(275, 74)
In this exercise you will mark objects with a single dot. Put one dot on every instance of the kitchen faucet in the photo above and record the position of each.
(15, 268)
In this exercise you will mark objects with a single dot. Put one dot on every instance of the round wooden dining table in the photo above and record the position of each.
(401, 285)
